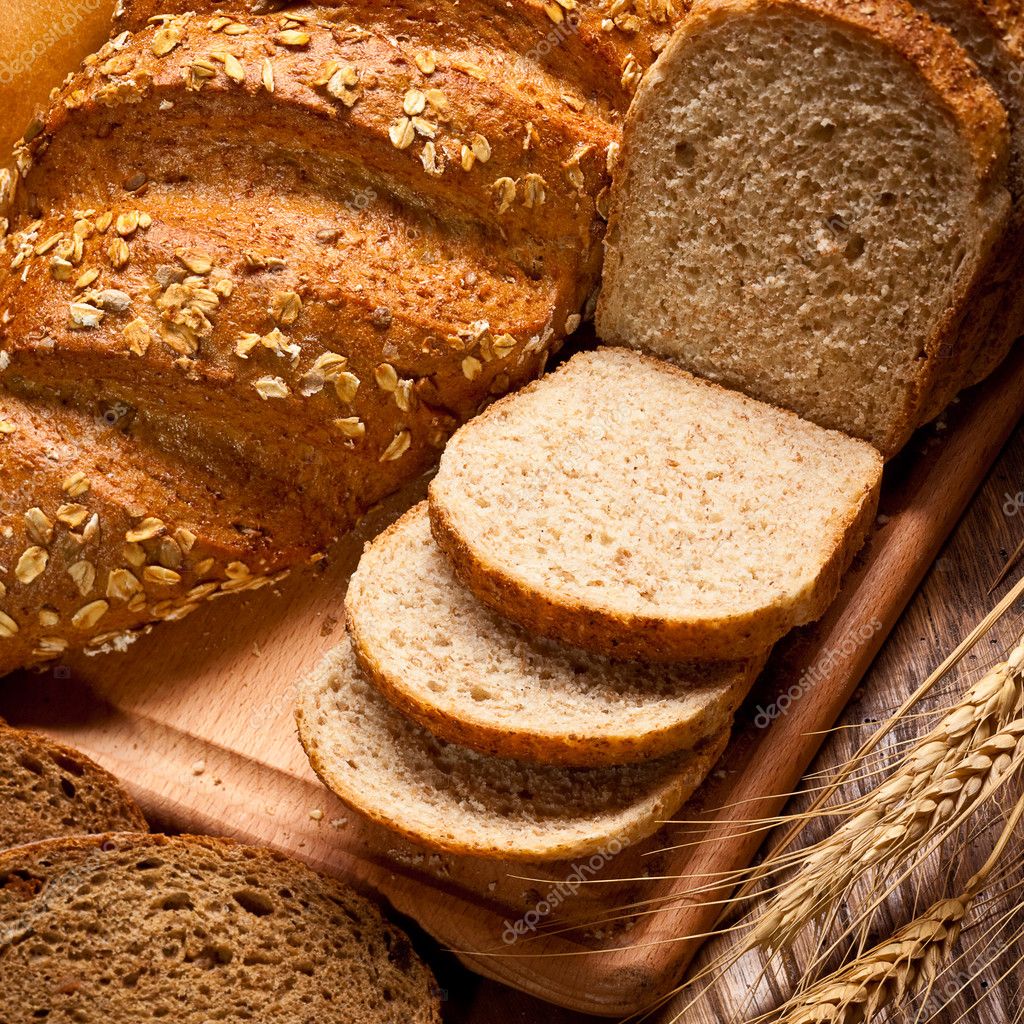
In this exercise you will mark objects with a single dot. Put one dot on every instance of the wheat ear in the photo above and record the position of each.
(943, 779)
(904, 964)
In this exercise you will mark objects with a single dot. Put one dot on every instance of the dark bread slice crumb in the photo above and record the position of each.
(128, 927)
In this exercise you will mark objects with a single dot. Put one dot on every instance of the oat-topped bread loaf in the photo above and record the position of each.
(475, 678)
(809, 198)
(992, 32)
(48, 790)
(126, 927)
(458, 800)
(260, 266)
(622, 505)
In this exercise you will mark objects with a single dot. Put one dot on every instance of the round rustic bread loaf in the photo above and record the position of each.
(624, 506)
(475, 678)
(457, 800)
(124, 927)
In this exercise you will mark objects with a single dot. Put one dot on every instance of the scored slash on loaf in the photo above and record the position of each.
(624, 506)
(475, 678)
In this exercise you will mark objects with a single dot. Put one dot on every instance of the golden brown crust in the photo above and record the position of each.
(993, 32)
(256, 343)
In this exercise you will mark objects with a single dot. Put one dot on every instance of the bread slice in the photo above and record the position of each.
(993, 34)
(49, 790)
(456, 800)
(124, 927)
(624, 506)
(807, 201)
(475, 678)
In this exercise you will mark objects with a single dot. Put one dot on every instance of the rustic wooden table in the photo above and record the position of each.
(954, 597)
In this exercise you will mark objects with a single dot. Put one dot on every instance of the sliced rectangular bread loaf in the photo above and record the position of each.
(993, 34)
(807, 200)
(624, 506)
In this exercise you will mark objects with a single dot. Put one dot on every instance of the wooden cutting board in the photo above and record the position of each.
(197, 719)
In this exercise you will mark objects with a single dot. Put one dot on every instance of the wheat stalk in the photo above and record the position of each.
(906, 963)
(943, 778)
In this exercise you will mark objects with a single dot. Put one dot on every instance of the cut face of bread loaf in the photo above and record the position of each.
(457, 800)
(806, 203)
(49, 790)
(475, 678)
(623, 506)
(126, 927)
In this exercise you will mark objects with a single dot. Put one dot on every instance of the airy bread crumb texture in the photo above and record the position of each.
(189, 929)
(476, 678)
(798, 215)
(627, 507)
(48, 790)
(456, 800)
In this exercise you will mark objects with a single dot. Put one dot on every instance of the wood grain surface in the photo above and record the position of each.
(197, 718)
(952, 599)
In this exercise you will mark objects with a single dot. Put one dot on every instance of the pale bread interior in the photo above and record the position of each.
(796, 215)
(457, 800)
(471, 675)
(623, 487)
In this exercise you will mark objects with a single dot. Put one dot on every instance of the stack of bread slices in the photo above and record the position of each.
(546, 656)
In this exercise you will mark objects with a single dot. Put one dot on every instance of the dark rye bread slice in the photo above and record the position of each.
(459, 801)
(125, 927)
(624, 506)
(477, 679)
(807, 205)
(49, 790)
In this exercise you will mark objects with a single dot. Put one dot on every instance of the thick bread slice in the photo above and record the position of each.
(623, 506)
(808, 200)
(457, 800)
(49, 790)
(190, 929)
(475, 678)
(993, 34)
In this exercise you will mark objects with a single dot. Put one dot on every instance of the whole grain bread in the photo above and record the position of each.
(992, 32)
(475, 678)
(621, 505)
(126, 927)
(206, 377)
(48, 790)
(457, 800)
(808, 201)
